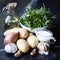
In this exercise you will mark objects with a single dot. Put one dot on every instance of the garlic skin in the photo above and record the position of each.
(34, 51)
(43, 48)
(17, 54)
(10, 48)
(43, 52)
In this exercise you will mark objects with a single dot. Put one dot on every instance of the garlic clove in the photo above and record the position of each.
(41, 52)
(34, 51)
(43, 48)
(17, 54)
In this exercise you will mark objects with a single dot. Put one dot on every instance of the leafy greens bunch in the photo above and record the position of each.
(34, 18)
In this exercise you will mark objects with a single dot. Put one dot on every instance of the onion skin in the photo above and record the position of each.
(11, 38)
(15, 30)
(23, 33)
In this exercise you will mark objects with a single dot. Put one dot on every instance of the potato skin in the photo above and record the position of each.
(11, 38)
(22, 45)
(32, 41)
(23, 33)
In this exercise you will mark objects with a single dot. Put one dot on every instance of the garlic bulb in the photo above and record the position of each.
(43, 48)
(10, 48)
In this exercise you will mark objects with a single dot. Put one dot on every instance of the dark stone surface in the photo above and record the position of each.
(54, 5)
(1, 30)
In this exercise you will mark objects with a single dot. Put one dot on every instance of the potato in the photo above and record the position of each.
(10, 38)
(23, 33)
(31, 34)
(22, 45)
(32, 41)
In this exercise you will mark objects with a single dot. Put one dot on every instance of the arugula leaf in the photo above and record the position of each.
(34, 18)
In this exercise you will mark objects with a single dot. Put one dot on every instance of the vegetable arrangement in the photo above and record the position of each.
(34, 18)
(19, 40)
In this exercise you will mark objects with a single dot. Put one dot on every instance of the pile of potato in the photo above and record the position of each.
(19, 40)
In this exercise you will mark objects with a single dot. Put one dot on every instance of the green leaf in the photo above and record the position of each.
(34, 18)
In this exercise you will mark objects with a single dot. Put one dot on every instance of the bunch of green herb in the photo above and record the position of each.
(34, 18)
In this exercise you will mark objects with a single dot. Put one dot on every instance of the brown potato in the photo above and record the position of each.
(11, 38)
(23, 33)
(31, 34)
(32, 41)
(22, 45)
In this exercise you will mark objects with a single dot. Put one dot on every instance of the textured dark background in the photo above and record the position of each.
(54, 6)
